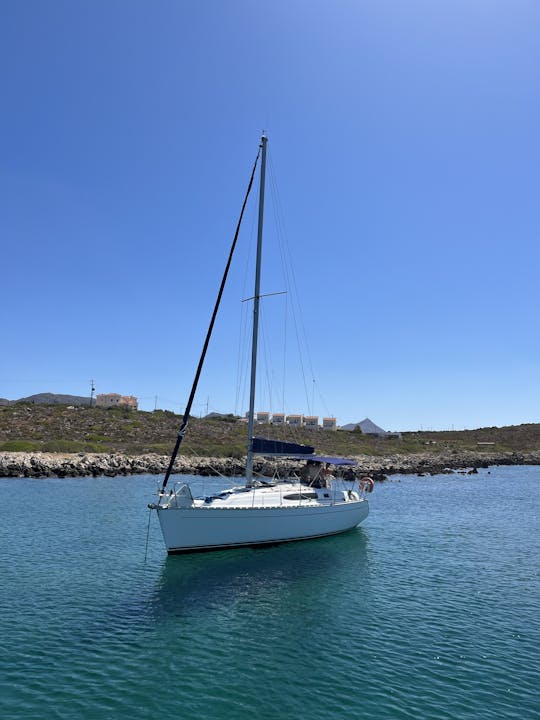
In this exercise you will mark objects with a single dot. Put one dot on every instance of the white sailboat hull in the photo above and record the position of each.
(206, 528)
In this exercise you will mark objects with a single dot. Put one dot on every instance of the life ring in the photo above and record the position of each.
(366, 484)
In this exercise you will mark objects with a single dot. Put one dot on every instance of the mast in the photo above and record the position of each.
(256, 302)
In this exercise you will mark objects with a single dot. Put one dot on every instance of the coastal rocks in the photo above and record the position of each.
(423, 464)
(71, 465)
(38, 465)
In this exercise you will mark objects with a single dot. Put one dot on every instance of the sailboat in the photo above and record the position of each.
(310, 504)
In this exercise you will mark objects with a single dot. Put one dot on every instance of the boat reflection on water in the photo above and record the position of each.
(271, 575)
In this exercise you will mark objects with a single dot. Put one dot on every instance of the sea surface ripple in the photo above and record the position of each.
(431, 609)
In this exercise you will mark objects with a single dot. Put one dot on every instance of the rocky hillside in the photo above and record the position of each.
(61, 429)
(49, 399)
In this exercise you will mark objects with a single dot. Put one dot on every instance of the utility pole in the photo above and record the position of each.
(92, 389)
(155, 403)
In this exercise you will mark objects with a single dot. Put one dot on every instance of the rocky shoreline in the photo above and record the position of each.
(41, 465)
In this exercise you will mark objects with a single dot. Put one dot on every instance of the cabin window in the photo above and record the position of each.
(301, 496)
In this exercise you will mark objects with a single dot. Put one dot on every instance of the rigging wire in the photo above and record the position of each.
(193, 453)
(291, 306)
(241, 378)
(290, 280)
(245, 317)
(267, 358)
(285, 327)
(185, 419)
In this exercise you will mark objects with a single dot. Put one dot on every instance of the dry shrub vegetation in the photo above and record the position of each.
(58, 428)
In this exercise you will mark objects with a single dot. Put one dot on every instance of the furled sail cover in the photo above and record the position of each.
(262, 446)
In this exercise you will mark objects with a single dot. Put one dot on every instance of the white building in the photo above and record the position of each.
(129, 401)
(116, 400)
(295, 420)
(329, 423)
(311, 421)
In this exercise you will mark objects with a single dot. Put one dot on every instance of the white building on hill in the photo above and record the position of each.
(116, 400)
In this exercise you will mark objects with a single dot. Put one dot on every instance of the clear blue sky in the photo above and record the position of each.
(405, 142)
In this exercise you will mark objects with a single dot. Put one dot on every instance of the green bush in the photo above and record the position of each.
(98, 439)
(21, 446)
(161, 448)
(235, 451)
(67, 446)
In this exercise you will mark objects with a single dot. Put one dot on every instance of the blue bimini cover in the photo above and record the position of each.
(262, 446)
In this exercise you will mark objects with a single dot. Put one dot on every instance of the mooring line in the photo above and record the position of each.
(147, 534)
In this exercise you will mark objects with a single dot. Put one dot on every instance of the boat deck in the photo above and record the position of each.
(279, 495)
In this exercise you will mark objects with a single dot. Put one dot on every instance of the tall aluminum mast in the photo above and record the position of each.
(256, 301)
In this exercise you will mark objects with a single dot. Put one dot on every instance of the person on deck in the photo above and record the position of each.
(311, 473)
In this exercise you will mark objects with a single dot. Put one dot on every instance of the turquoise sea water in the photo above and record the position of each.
(430, 610)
